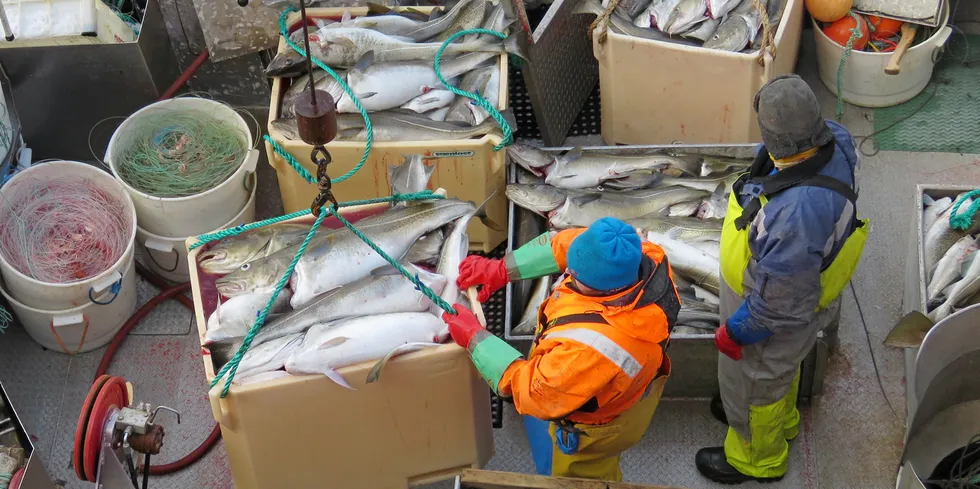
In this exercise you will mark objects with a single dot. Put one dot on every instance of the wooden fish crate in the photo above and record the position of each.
(916, 275)
(656, 92)
(468, 169)
(425, 420)
(694, 356)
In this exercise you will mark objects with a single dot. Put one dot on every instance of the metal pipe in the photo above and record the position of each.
(6, 25)
(306, 44)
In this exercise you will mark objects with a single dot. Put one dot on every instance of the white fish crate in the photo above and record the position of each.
(694, 356)
(468, 169)
(656, 92)
(428, 418)
(916, 275)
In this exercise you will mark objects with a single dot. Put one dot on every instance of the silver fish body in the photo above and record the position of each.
(660, 11)
(684, 209)
(476, 81)
(376, 294)
(941, 237)
(392, 25)
(932, 210)
(321, 81)
(454, 250)
(624, 25)
(530, 158)
(438, 115)
(426, 249)
(688, 230)
(738, 30)
(949, 267)
(632, 8)
(711, 165)
(694, 264)
(269, 356)
(430, 101)
(229, 254)
(963, 293)
(685, 15)
(411, 176)
(704, 30)
(409, 126)
(538, 198)
(634, 181)
(491, 93)
(707, 184)
(579, 171)
(470, 17)
(529, 319)
(234, 317)
(583, 210)
(719, 8)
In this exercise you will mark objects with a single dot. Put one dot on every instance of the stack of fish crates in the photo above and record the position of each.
(467, 169)
(657, 92)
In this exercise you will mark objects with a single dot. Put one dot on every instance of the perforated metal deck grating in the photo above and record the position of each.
(588, 122)
(494, 311)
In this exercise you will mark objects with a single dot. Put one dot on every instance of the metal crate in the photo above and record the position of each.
(694, 357)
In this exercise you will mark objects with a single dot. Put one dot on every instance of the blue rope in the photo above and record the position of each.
(480, 101)
(963, 221)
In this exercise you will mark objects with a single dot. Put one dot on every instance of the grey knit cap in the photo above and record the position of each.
(789, 117)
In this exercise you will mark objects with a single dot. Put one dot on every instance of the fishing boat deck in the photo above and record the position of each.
(850, 435)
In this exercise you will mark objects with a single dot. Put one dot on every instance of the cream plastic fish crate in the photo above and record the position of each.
(916, 276)
(426, 419)
(468, 169)
(656, 92)
(694, 356)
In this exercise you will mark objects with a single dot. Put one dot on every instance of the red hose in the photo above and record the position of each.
(176, 292)
(186, 75)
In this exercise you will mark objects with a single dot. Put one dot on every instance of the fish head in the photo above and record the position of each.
(530, 158)
(256, 275)
(229, 254)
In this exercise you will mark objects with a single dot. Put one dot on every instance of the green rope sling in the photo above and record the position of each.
(228, 370)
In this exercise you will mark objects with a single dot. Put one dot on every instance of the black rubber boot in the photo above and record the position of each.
(712, 463)
(718, 409)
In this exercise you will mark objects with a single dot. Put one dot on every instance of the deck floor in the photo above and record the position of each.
(850, 438)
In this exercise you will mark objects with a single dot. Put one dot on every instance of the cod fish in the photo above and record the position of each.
(231, 253)
(328, 347)
(941, 237)
(234, 317)
(738, 30)
(583, 210)
(686, 15)
(426, 250)
(430, 101)
(624, 25)
(343, 47)
(950, 266)
(712, 248)
(708, 183)
(704, 30)
(470, 17)
(411, 176)
(454, 250)
(409, 126)
(321, 81)
(577, 170)
(716, 206)
(699, 267)
(438, 115)
(713, 164)
(963, 292)
(688, 230)
(539, 198)
(659, 11)
(383, 86)
(397, 25)
(341, 258)
(268, 357)
(531, 159)
(933, 208)
(719, 8)
(386, 291)
(634, 181)
(476, 81)
(529, 320)
(684, 209)
(491, 92)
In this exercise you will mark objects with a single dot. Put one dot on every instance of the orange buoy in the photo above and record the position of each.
(884, 28)
(840, 32)
(829, 10)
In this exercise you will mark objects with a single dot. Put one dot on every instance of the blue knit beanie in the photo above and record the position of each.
(606, 256)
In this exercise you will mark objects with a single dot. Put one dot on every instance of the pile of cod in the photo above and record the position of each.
(386, 58)
(677, 201)
(727, 25)
(950, 257)
(344, 303)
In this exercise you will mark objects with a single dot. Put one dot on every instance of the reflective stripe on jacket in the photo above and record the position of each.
(595, 356)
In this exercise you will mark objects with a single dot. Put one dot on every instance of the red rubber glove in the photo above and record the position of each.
(462, 327)
(477, 270)
(726, 344)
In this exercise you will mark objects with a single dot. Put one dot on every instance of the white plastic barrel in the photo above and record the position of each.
(195, 214)
(168, 256)
(864, 81)
(57, 296)
(98, 323)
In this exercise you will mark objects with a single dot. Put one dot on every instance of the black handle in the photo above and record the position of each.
(243, 3)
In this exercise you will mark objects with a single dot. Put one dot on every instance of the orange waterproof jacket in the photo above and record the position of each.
(595, 356)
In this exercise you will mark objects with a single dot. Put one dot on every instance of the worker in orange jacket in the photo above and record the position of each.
(594, 377)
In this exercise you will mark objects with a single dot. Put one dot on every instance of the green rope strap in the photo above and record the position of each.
(855, 34)
(963, 221)
(369, 140)
(480, 101)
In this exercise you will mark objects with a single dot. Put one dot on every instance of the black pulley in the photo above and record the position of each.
(316, 117)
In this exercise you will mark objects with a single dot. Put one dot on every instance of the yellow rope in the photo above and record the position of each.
(768, 41)
(603, 21)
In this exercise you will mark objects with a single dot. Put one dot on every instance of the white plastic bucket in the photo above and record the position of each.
(51, 296)
(864, 81)
(98, 323)
(194, 214)
(168, 256)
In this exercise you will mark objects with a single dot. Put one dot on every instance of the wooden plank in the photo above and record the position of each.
(488, 479)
